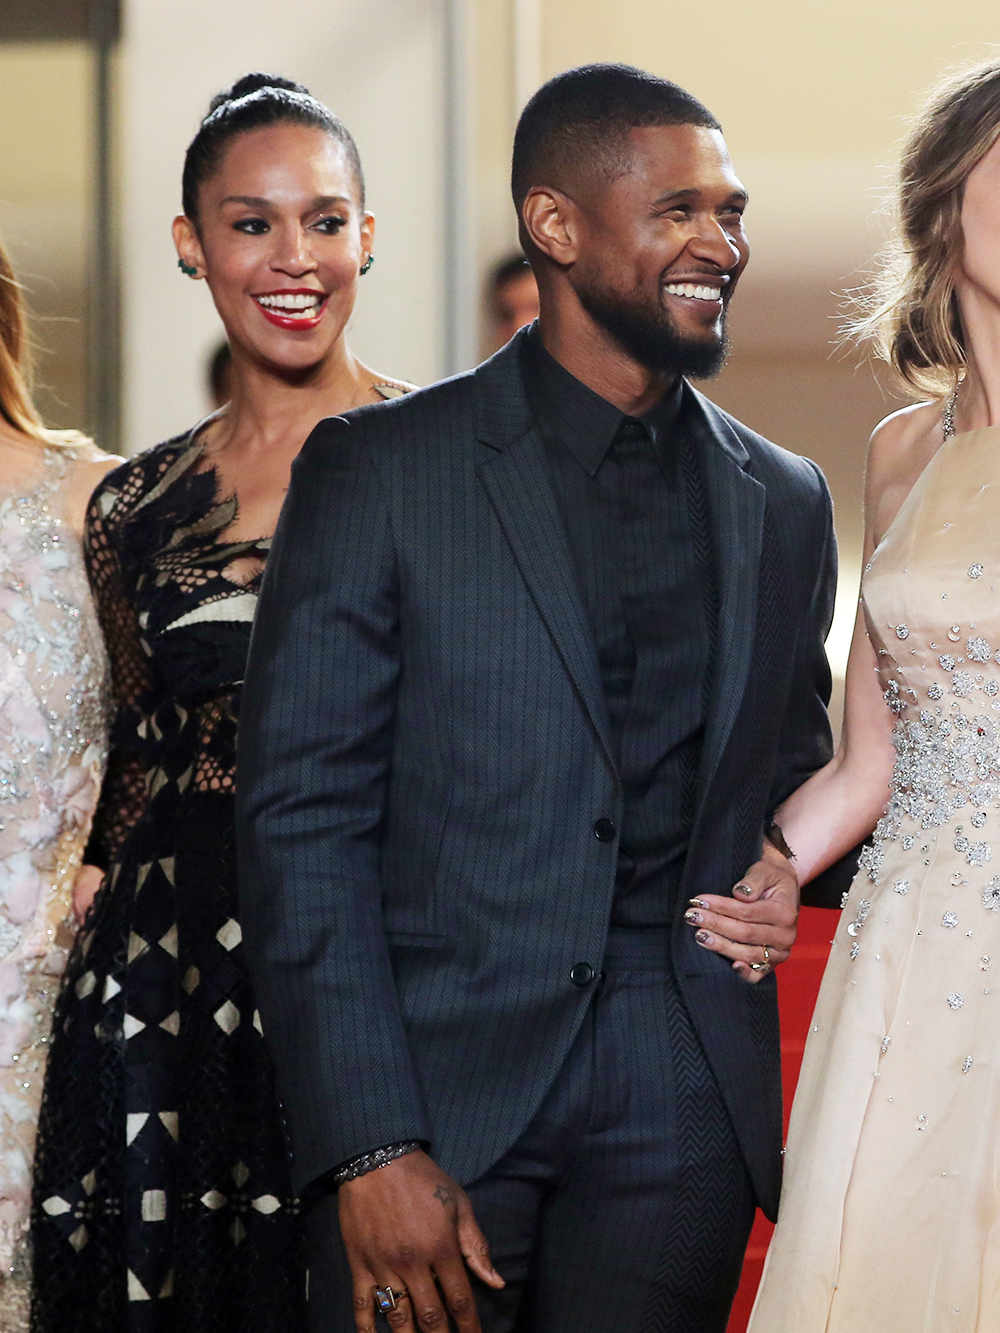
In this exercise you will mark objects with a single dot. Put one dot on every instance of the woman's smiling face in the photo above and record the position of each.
(280, 238)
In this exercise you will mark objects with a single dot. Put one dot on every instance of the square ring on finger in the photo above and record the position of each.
(386, 1299)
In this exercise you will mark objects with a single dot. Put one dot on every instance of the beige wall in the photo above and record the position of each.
(45, 185)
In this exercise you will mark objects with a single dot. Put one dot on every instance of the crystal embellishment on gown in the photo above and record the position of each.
(882, 1228)
(978, 650)
(53, 722)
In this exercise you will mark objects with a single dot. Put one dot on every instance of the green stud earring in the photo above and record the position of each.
(367, 265)
(189, 269)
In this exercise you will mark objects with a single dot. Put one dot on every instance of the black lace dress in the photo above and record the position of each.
(162, 1197)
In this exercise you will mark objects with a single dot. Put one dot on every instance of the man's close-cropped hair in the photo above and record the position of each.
(574, 132)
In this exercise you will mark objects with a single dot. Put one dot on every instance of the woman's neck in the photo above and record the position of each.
(269, 413)
(978, 402)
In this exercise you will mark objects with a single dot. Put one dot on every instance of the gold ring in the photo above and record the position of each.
(766, 964)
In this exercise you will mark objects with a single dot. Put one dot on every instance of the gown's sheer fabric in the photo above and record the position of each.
(890, 1218)
(162, 1195)
(53, 720)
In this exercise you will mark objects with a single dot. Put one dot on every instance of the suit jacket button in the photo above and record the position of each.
(581, 974)
(604, 830)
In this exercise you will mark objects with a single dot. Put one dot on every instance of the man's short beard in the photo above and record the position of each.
(652, 337)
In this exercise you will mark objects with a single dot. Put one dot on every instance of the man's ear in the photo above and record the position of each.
(552, 221)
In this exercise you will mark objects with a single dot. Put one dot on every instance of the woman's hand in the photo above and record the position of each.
(755, 926)
(88, 881)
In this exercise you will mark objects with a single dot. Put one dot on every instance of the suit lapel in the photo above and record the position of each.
(735, 502)
(518, 485)
(516, 478)
(517, 481)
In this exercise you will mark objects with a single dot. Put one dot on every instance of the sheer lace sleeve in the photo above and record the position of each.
(123, 795)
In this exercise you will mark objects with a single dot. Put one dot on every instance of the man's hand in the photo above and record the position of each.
(762, 912)
(410, 1227)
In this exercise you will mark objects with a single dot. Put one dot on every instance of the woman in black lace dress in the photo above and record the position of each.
(162, 1198)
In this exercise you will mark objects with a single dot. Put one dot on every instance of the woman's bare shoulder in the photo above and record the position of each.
(900, 448)
(914, 427)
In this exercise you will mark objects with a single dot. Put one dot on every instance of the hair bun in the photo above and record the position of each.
(251, 83)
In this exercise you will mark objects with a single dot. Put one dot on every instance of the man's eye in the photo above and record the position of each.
(251, 226)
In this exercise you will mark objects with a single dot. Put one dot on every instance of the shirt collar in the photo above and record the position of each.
(582, 420)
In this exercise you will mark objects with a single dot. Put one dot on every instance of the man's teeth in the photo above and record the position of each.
(689, 289)
(305, 304)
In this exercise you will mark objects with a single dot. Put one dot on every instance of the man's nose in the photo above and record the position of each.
(713, 242)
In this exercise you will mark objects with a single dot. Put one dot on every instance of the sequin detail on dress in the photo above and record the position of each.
(53, 739)
(882, 1227)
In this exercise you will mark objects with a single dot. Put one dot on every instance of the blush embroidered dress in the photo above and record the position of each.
(53, 719)
(162, 1191)
(890, 1216)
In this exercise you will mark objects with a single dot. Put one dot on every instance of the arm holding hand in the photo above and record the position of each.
(839, 805)
(825, 818)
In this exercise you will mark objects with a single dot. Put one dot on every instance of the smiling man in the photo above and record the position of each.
(539, 651)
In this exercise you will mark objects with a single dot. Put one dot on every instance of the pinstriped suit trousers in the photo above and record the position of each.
(625, 1205)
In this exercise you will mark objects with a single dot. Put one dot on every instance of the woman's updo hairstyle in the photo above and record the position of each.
(253, 103)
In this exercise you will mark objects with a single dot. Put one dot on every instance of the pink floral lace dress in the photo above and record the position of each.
(53, 714)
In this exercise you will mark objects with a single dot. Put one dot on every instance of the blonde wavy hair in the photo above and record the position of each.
(16, 405)
(910, 314)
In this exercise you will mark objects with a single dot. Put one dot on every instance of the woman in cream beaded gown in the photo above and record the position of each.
(890, 1217)
(52, 751)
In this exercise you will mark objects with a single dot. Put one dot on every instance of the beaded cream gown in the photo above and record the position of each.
(53, 714)
(890, 1216)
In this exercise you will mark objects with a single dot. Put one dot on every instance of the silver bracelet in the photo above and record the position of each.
(371, 1161)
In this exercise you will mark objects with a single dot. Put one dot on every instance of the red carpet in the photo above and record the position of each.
(798, 984)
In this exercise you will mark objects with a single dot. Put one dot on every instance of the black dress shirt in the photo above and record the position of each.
(631, 501)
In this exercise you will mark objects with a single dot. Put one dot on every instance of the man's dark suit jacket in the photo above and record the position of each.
(424, 758)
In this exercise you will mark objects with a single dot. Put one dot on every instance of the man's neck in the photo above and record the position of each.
(592, 356)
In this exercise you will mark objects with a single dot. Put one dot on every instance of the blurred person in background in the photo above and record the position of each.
(219, 376)
(512, 297)
(890, 1214)
(53, 745)
(163, 1196)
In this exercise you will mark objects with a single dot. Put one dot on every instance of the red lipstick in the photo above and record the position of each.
(292, 307)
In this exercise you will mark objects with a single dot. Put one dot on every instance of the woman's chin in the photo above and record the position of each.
(291, 355)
